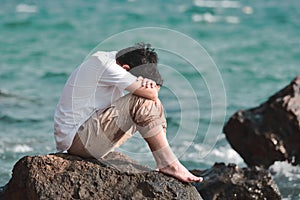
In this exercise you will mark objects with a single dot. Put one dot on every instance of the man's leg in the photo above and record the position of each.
(166, 161)
(105, 131)
(150, 121)
(101, 133)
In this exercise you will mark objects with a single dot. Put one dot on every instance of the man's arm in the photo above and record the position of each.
(144, 88)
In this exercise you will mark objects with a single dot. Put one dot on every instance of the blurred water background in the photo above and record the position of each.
(254, 43)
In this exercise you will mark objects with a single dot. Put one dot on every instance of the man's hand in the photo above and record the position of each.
(144, 88)
(147, 83)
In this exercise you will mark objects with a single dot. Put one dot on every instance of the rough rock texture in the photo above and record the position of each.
(270, 132)
(230, 182)
(62, 176)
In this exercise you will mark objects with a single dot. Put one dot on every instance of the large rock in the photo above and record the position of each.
(269, 132)
(229, 182)
(62, 176)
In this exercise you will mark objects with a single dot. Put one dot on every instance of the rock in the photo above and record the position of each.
(231, 182)
(63, 176)
(269, 132)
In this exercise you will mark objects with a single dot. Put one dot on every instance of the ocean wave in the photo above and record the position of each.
(286, 170)
(217, 4)
(54, 74)
(9, 150)
(9, 119)
(287, 177)
(18, 24)
(63, 25)
(21, 148)
(134, 16)
(209, 154)
(35, 25)
(209, 11)
(15, 99)
(209, 18)
(4, 93)
(25, 8)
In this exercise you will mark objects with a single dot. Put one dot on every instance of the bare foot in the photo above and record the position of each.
(177, 170)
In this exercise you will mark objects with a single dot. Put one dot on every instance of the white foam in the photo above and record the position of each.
(21, 148)
(26, 8)
(209, 18)
(232, 19)
(284, 169)
(225, 154)
(206, 17)
(217, 4)
(247, 10)
(210, 155)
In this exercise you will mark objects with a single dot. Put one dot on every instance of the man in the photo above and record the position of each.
(93, 117)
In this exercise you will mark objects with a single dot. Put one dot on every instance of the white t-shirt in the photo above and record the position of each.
(94, 85)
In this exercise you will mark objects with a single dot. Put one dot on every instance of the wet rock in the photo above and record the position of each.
(269, 132)
(229, 182)
(63, 176)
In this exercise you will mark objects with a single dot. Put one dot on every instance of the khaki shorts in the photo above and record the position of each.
(107, 130)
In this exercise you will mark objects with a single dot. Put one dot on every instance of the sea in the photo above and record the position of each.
(216, 57)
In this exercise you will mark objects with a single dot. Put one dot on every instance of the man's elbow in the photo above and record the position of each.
(151, 94)
(154, 95)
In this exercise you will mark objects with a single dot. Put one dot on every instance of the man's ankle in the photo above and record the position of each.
(174, 166)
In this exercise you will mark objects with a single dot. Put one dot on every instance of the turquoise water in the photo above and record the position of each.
(254, 44)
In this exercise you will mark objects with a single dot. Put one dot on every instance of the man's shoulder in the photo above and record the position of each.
(101, 60)
(105, 56)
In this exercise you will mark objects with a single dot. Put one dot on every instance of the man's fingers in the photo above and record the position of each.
(144, 82)
(148, 83)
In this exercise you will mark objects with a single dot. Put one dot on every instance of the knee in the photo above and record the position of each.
(144, 111)
(145, 106)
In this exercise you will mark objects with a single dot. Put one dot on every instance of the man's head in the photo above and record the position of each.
(140, 60)
(137, 55)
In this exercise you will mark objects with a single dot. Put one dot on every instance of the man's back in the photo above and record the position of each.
(94, 85)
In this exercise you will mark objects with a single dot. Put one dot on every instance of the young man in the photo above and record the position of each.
(93, 117)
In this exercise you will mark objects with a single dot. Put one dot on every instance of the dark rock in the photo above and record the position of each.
(230, 182)
(63, 176)
(270, 132)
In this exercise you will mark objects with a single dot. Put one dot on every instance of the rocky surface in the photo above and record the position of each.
(230, 182)
(63, 176)
(269, 132)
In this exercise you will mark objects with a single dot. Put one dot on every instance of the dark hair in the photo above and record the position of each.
(137, 55)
